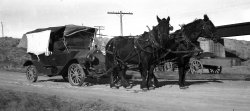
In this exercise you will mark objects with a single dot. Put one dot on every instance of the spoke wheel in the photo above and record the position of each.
(168, 66)
(196, 67)
(76, 74)
(31, 73)
(215, 70)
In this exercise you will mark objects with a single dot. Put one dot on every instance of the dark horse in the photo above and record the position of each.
(142, 51)
(183, 45)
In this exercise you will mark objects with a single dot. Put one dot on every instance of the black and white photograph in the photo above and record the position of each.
(124, 55)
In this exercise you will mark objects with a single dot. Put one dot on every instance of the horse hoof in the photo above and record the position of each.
(114, 87)
(184, 87)
(156, 86)
(151, 88)
(144, 89)
(128, 87)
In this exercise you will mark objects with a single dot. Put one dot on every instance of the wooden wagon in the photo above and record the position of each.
(212, 58)
(213, 65)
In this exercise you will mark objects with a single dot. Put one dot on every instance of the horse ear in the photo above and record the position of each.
(206, 17)
(181, 25)
(158, 19)
(168, 19)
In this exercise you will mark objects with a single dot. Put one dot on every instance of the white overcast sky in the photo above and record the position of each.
(20, 16)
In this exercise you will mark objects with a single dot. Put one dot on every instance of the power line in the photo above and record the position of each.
(121, 14)
(2, 29)
(99, 30)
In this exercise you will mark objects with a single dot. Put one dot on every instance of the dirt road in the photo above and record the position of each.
(201, 95)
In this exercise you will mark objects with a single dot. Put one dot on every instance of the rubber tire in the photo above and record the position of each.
(31, 73)
(77, 72)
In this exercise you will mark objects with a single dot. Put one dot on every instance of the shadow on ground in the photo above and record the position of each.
(162, 82)
(90, 80)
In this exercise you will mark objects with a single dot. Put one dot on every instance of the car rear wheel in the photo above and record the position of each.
(32, 73)
(76, 74)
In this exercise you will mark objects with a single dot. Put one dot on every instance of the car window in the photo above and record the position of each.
(78, 42)
(59, 46)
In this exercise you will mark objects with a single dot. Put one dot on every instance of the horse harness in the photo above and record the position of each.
(183, 43)
(138, 48)
(151, 42)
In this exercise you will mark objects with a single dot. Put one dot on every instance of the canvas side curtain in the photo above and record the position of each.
(38, 43)
(23, 42)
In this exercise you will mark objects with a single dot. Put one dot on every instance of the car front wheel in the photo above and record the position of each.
(76, 74)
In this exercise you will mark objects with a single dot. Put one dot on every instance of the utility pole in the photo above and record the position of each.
(2, 29)
(99, 30)
(121, 14)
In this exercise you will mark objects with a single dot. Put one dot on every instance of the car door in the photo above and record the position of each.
(59, 56)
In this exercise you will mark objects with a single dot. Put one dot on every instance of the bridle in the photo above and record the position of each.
(152, 39)
(160, 36)
(207, 33)
(204, 30)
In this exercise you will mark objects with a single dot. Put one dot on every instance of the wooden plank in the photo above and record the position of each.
(233, 29)
(224, 62)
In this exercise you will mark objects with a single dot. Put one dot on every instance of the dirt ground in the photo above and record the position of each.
(205, 95)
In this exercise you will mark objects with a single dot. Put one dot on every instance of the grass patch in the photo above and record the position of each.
(23, 101)
(11, 57)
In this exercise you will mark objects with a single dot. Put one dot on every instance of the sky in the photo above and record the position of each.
(21, 16)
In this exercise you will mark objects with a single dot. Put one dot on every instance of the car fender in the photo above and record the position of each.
(27, 63)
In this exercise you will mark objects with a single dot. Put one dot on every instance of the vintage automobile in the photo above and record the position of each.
(64, 50)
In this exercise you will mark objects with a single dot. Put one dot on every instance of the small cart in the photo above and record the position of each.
(212, 63)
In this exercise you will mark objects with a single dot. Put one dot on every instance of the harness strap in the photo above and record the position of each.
(129, 56)
(188, 51)
(136, 43)
(152, 39)
(162, 56)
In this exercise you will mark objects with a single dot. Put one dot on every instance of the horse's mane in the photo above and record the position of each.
(144, 33)
(191, 27)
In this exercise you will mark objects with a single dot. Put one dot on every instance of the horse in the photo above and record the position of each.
(183, 45)
(122, 51)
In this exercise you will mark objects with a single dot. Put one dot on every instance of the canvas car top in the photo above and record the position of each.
(53, 33)
(68, 29)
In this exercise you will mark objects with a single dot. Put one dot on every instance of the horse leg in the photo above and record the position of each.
(182, 75)
(150, 77)
(185, 69)
(144, 73)
(156, 82)
(124, 81)
(114, 80)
